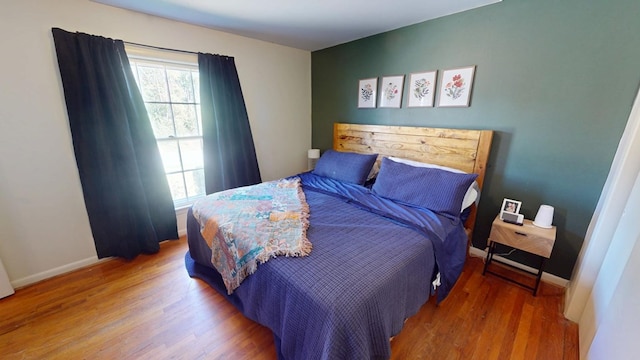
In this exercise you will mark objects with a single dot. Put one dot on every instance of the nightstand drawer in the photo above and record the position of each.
(527, 237)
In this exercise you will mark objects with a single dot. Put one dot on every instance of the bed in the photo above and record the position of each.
(377, 250)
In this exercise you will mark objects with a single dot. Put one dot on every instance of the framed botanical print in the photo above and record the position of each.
(455, 87)
(391, 91)
(422, 88)
(367, 90)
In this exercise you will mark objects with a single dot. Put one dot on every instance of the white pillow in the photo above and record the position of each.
(473, 192)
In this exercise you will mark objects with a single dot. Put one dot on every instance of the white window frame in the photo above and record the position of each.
(171, 59)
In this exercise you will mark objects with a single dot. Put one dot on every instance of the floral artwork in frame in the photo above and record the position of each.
(367, 89)
(422, 88)
(455, 87)
(391, 91)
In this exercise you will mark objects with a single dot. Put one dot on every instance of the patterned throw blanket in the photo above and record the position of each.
(249, 225)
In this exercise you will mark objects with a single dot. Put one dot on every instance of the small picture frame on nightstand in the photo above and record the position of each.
(510, 207)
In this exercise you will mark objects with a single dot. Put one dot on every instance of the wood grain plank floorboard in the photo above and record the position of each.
(149, 308)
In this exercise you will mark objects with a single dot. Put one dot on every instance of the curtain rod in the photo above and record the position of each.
(161, 48)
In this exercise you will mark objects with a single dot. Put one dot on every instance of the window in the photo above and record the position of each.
(171, 93)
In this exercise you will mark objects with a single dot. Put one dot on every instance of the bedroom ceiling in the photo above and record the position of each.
(308, 25)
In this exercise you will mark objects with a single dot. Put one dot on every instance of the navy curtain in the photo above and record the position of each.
(229, 153)
(123, 181)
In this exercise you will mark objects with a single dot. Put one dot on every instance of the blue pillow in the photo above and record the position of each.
(345, 166)
(438, 190)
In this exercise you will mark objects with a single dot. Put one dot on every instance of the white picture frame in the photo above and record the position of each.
(422, 89)
(391, 89)
(367, 93)
(455, 87)
(510, 206)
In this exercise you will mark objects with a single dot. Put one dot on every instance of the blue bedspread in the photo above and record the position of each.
(447, 234)
(366, 274)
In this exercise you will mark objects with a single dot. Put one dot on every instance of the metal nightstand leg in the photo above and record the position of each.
(492, 248)
(539, 276)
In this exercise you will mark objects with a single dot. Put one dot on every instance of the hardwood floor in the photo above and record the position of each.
(149, 308)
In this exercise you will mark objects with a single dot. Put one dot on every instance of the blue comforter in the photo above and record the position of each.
(371, 267)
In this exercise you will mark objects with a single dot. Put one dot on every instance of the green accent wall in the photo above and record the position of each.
(555, 79)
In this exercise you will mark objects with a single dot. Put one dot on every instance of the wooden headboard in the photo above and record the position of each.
(467, 150)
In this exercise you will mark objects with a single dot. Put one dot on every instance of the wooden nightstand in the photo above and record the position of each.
(528, 237)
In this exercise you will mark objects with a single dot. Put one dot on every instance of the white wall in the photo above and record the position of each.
(618, 333)
(601, 297)
(612, 315)
(43, 222)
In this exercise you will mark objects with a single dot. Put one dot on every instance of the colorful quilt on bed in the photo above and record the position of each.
(249, 225)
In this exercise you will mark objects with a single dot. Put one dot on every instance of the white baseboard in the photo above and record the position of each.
(546, 277)
(31, 279)
(181, 216)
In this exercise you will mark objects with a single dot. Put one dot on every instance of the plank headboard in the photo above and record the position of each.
(467, 150)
